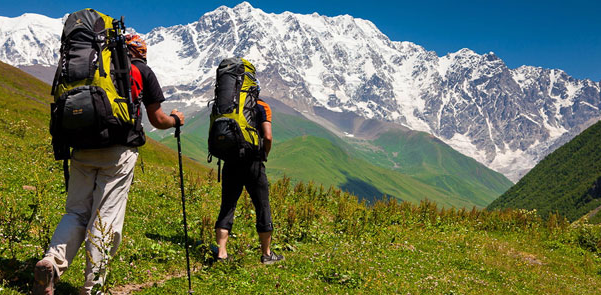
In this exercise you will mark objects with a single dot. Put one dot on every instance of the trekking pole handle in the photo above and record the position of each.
(177, 124)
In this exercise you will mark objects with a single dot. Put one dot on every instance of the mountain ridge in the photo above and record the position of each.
(507, 119)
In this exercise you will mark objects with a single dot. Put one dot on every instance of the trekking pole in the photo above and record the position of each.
(181, 182)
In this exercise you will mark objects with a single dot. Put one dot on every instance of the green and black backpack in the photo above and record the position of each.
(232, 132)
(93, 105)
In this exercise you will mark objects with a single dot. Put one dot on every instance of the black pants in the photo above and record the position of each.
(251, 175)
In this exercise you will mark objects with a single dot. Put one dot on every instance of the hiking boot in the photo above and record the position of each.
(44, 278)
(271, 258)
(223, 260)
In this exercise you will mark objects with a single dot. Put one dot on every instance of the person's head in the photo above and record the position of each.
(136, 46)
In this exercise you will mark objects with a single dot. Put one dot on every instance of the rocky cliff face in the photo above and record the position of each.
(506, 118)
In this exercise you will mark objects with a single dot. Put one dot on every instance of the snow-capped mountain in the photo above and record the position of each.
(30, 39)
(506, 118)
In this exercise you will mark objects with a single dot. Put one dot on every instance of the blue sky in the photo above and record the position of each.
(551, 34)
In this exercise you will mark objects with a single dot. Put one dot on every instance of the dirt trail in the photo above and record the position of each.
(130, 288)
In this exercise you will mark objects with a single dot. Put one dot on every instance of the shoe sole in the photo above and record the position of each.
(224, 260)
(270, 262)
(43, 275)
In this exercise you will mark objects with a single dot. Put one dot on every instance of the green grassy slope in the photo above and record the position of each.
(193, 137)
(567, 181)
(333, 244)
(290, 126)
(412, 153)
(330, 165)
(427, 158)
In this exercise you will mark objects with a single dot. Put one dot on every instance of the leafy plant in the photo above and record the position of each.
(104, 244)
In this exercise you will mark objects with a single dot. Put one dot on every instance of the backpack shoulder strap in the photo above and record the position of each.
(136, 81)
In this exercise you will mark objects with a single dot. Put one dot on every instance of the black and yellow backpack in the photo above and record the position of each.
(232, 132)
(93, 105)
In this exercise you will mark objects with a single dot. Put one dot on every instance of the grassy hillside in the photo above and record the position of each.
(426, 157)
(332, 166)
(371, 168)
(414, 154)
(333, 244)
(193, 137)
(291, 126)
(567, 181)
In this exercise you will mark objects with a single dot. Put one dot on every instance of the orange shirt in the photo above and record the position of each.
(263, 112)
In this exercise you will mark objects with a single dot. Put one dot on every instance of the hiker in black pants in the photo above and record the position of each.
(250, 174)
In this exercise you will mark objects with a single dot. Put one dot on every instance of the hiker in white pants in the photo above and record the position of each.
(98, 188)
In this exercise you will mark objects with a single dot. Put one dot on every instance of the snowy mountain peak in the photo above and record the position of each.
(30, 39)
(244, 10)
(243, 7)
(508, 119)
(466, 52)
(28, 20)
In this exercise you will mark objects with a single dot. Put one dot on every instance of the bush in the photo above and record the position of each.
(587, 236)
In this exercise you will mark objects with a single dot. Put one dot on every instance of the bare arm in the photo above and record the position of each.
(161, 120)
(267, 137)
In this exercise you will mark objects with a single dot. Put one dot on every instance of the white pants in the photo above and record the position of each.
(98, 184)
